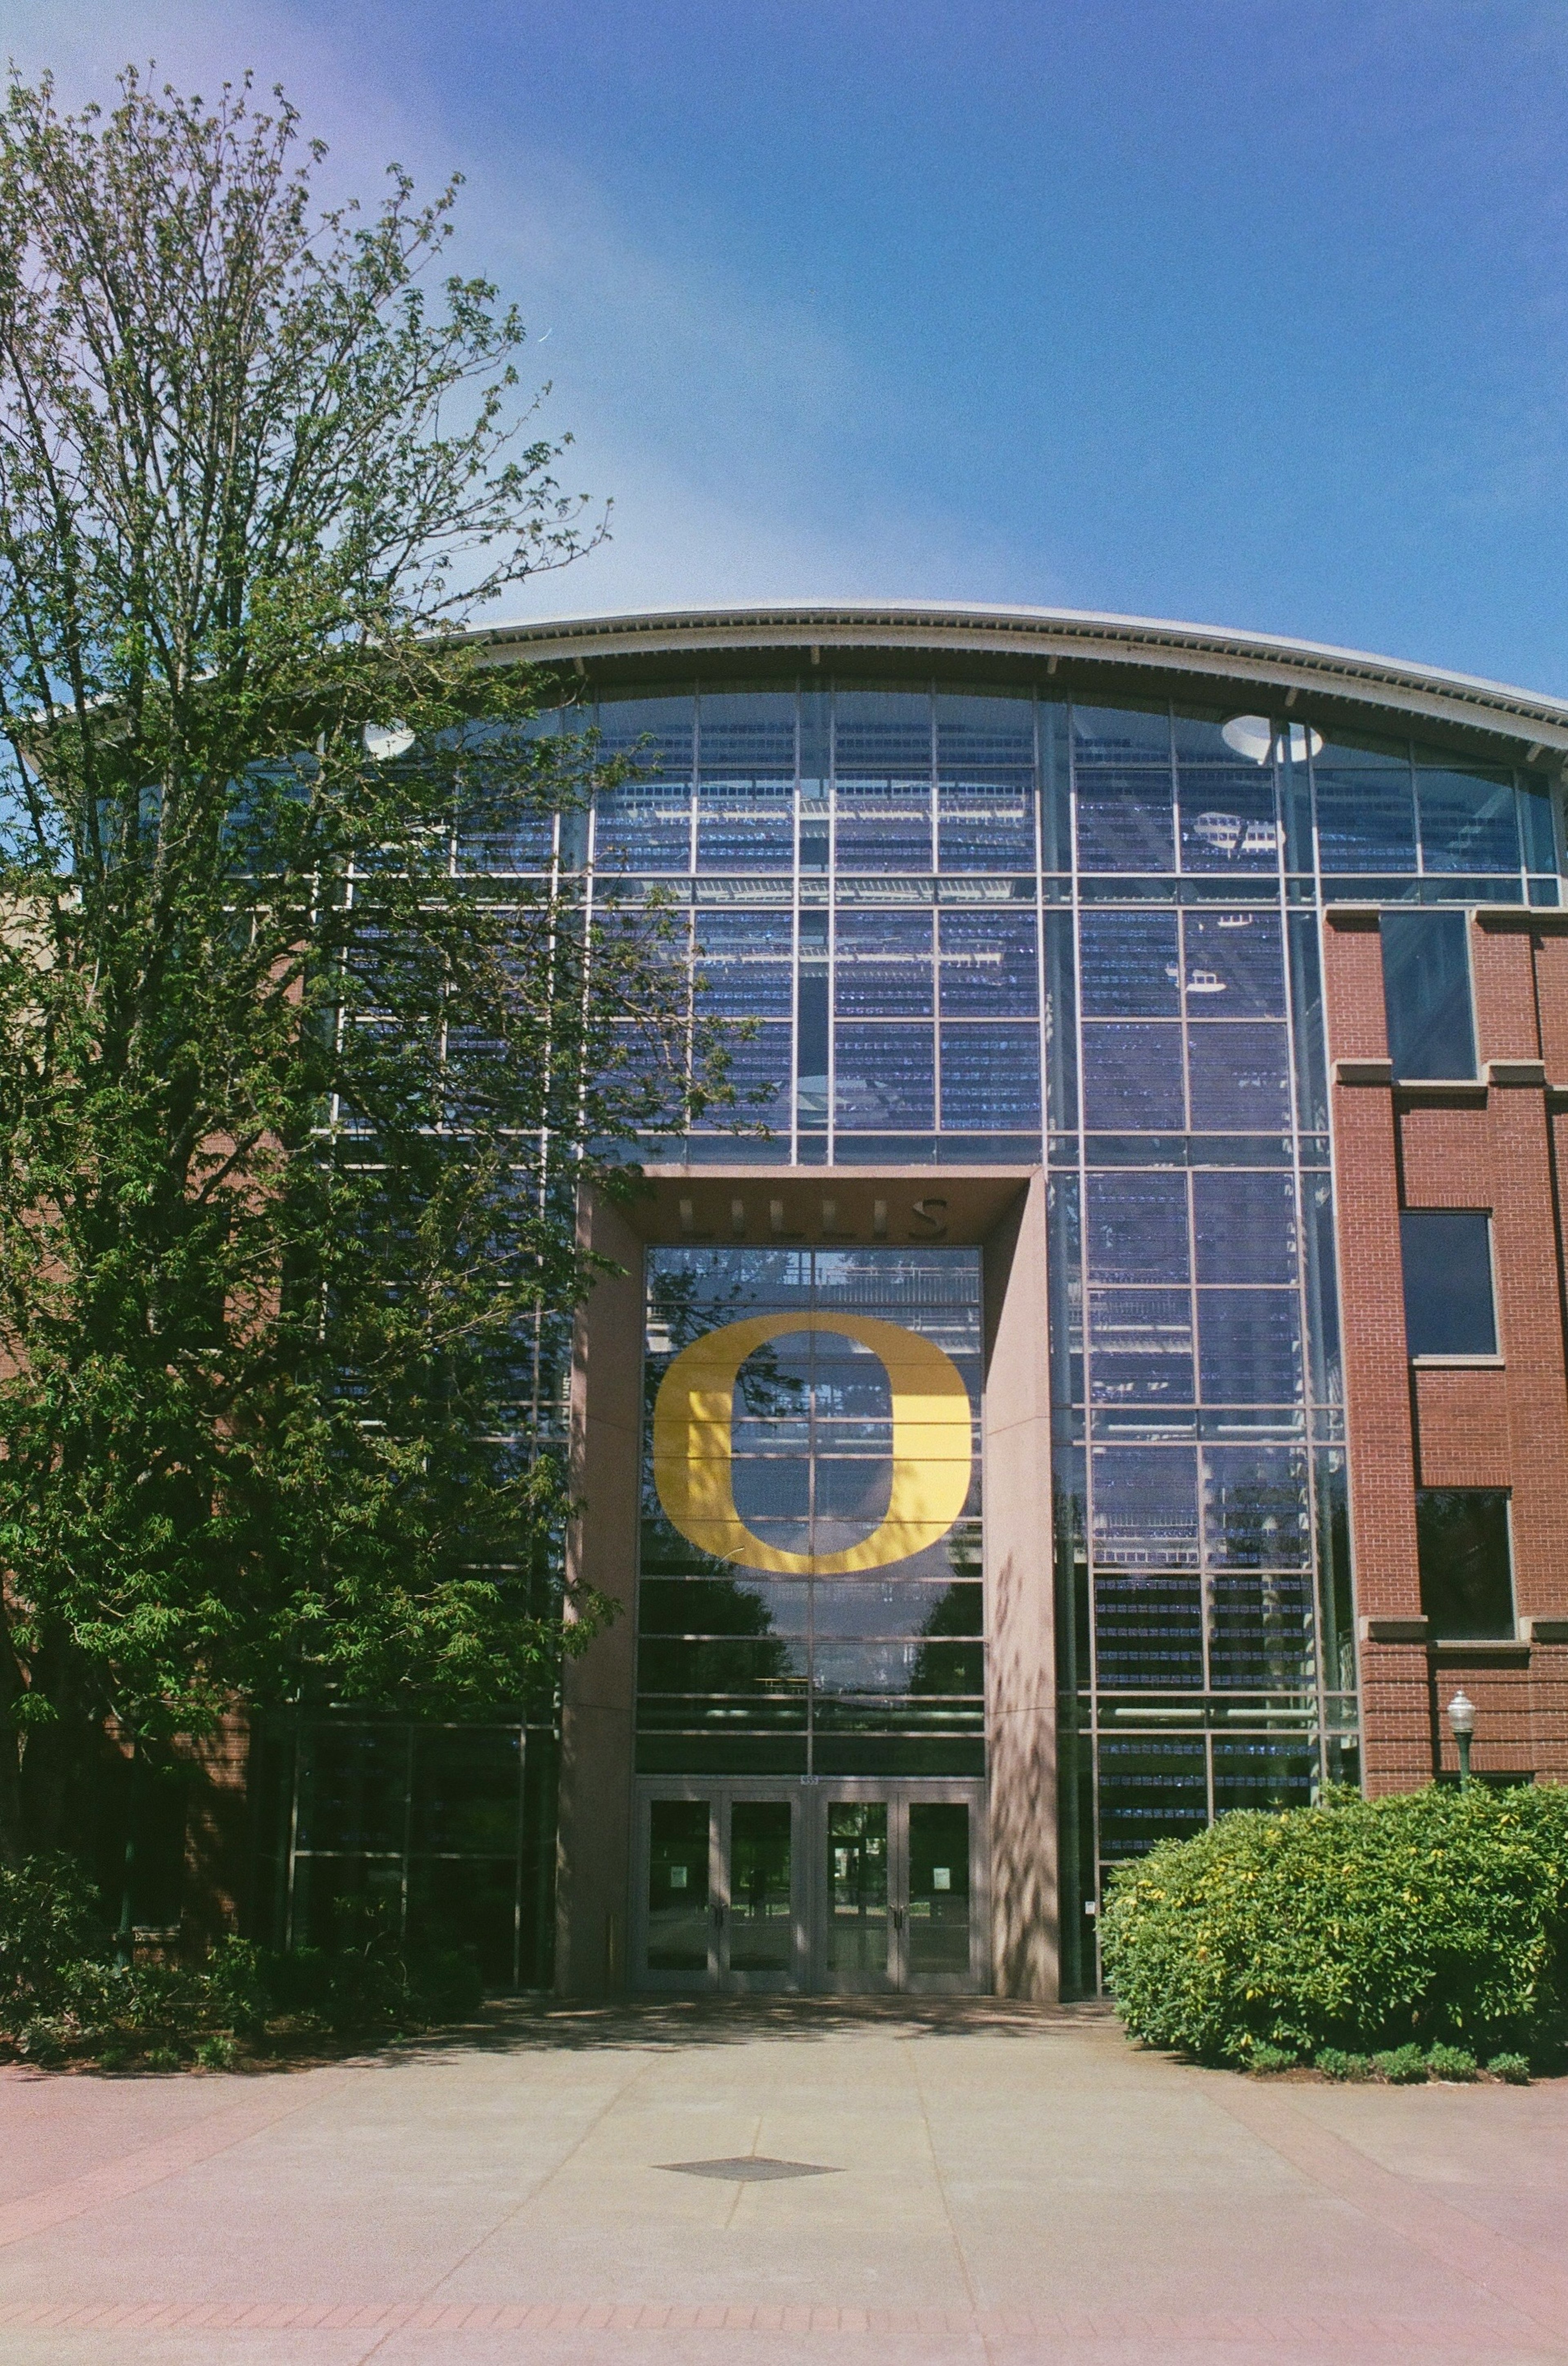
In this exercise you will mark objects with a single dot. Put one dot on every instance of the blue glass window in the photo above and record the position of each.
(882, 967)
(1239, 1078)
(1466, 1562)
(1122, 772)
(991, 1078)
(1244, 1224)
(1137, 1227)
(883, 824)
(1148, 1629)
(880, 730)
(1366, 815)
(1226, 802)
(986, 822)
(1255, 1506)
(1235, 965)
(1151, 1789)
(1447, 1255)
(745, 958)
(1258, 1773)
(1250, 1346)
(1536, 820)
(1146, 1508)
(758, 1064)
(1129, 966)
(1426, 986)
(1261, 1632)
(884, 1078)
(989, 964)
(1132, 1078)
(1467, 817)
(1141, 1347)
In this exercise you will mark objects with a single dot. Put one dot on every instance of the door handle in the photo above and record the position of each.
(719, 1917)
(897, 1917)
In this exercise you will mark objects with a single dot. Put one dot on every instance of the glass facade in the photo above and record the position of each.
(760, 1652)
(976, 926)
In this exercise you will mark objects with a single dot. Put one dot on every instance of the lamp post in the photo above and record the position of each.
(1462, 1718)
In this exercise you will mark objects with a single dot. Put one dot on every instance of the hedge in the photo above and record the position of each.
(1433, 1917)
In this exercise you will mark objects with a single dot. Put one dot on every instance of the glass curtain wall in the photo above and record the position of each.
(804, 1669)
(980, 926)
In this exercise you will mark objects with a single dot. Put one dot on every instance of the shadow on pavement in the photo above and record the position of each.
(567, 2024)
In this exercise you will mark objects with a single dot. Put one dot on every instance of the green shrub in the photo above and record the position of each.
(1335, 2063)
(1512, 2069)
(62, 1994)
(1404, 2066)
(1270, 2059)
(1450, 2062)
(1431, 1917)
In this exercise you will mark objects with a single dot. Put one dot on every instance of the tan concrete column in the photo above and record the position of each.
(598, 1707)
(1026, 1931)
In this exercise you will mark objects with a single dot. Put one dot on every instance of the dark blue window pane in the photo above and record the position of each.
(1536, 820)
(758, 1063)
(1244, 1226)
(883, 824)
(810, 1047)
(1146, 1508)
(1132, 1078)
(1136, 1228)
(653, 733)
(983, 730)
(1124, 821)
(1425, 985)
(1119, 735)
(1129, 966)
(880, 731)
(1148, 1629)
(1261, 1773)
(989, 964)
(1236, 966)
(1239, 1078)
(1149, 1790)
(745, 821)
(1227, 817)
(1467, 1582)
(1140, 1347)
(882, 967)
(1366, 815)
(1261, 1632)
(885, 1076)
(750, 730)
(745, 958)
(991, 1078)
(1250, 1346)
(1448, 1282)
(1467, 818)
(986, 822)
(1255, 1507)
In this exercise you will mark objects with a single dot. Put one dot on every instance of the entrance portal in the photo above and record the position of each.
(875, 1887)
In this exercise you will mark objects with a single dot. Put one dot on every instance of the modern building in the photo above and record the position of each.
(1118, 1373)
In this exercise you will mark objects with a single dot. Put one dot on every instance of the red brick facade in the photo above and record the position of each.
(1499, 1145)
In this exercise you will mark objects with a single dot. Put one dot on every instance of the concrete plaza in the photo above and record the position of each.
(992, 2183)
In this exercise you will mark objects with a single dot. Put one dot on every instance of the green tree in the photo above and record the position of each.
(295, 1093)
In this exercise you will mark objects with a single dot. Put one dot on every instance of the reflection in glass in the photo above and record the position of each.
(857, 1888)
(761, 1916)
(938, 1886)
(677, 1885)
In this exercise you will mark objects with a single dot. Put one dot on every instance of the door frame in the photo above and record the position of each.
(810, 1797)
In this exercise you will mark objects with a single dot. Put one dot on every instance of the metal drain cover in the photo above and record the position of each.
(750, 2169)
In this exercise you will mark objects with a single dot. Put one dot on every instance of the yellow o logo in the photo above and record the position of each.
(693, 1447)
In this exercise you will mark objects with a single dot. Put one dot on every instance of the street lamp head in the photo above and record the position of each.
(1462, 1715)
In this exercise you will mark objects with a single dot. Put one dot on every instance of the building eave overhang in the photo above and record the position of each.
(1308, 676)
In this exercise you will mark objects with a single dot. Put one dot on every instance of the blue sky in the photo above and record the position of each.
(1253, 312)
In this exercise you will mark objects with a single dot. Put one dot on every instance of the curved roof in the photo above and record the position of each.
(1094, 652)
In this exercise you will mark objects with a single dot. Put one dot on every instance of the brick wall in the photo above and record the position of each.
(1501, 1145)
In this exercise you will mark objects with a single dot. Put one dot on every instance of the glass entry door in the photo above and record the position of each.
(874, 1888)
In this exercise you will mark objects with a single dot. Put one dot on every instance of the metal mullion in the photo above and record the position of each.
(1089, 1553)
(1302, 1308)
